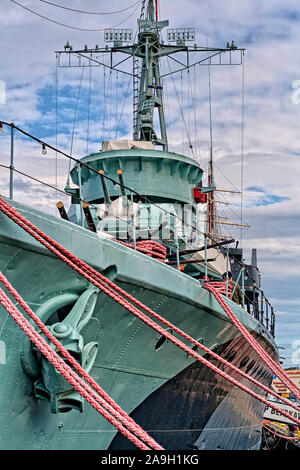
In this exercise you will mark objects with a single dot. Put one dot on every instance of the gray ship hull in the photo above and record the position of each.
(176, 399)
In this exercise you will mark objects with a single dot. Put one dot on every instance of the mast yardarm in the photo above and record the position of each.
(147, 53)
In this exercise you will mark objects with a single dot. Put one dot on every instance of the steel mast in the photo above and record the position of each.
(147, 78)
(211, 201)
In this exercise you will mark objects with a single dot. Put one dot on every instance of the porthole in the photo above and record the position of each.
(229, 357)
(260, 370)
(265, 373)
(251, 365)
(244, 361)
(162, 340)
(194, 348)
(255, 369)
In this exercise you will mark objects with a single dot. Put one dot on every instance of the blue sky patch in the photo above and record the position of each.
(265, 199)
(257, 189)
(269, 199)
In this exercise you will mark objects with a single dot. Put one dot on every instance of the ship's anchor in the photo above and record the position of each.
(50, 385)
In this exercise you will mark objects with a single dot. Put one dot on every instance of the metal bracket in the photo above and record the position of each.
(51, 385)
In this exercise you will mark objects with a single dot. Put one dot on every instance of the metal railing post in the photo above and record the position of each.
(80, 195)
(132, 220)
(267, 317)
(205, 245)
(11, 167)
(236, 282)
(176, 246)
(227, 273)
(243, 286)
(262, 307)
(273, 322)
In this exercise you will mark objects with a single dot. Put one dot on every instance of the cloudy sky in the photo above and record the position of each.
(44, 100)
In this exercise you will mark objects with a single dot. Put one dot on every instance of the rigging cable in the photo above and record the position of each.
(229, 181)
(77, 198)
(117, 101)
(197, 142)
(104, 103)
(182, 128)
(110, 102)
(73, 27)
(230, 208)
(90, 12)
(210, 115)
(124, 102)
(242, 142)
(223, 198)
(142, 15)
(167, 108)
(115, 182)
(89, 111)
(211, 206)
(107, 106)
(56, 123)
(181, 111)
(82, 164)
(74, 123)
(188, 99)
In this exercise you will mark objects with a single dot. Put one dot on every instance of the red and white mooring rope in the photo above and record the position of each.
(46, 240)
(148, 247)
(276, 368)
(118, 420)
(220, 286)
(18, 218)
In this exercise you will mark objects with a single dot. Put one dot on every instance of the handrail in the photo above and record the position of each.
(115, 182)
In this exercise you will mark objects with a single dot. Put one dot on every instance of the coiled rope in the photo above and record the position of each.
(149, 247)
(220, 286)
